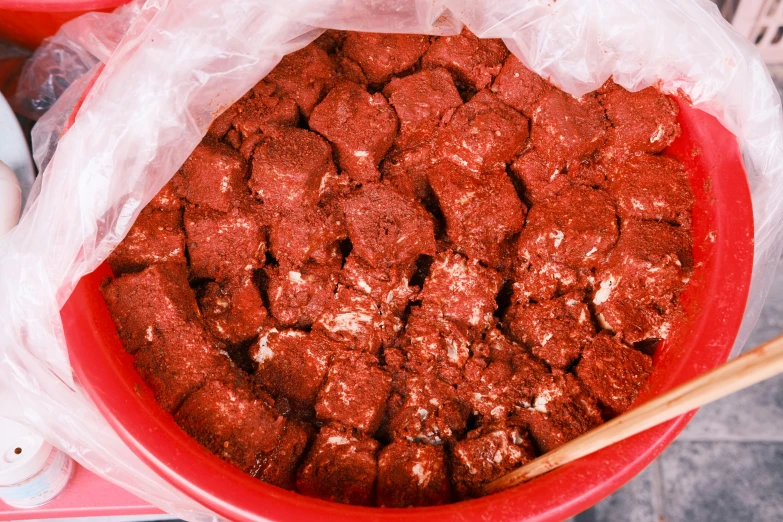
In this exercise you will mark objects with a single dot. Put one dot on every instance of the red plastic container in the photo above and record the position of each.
(715, 301)
(28, 22)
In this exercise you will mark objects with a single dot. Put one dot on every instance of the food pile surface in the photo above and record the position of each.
(402, 266)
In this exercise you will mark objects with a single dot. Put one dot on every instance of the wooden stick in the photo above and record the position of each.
(750, 368)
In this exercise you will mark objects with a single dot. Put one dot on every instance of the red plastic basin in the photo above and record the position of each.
(28, 22)
(715, 302)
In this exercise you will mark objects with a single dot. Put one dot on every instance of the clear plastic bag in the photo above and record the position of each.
(170, 67)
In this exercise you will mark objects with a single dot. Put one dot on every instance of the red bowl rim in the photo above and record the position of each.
(124, 400)
(59, 6)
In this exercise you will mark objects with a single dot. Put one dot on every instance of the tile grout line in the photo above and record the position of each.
(657, 492)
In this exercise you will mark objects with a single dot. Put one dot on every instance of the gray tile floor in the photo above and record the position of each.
(727, 465)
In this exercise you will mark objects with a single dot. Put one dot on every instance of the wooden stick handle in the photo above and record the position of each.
(750, 368)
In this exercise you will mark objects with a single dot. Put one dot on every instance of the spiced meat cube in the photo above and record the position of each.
(577, 229)
(635, 292)
(224, 245)
(306, 234)
(389, 288)
(531, 375)
(245, 147)
(540, 279)
(386, 229)
(562, 410)
(360, 125)
(265, 111)
(150, 305)
(341, 466)
(288, 170)
(624, 307)
(335, 187)
(155, 237)
(231, 423)
(652, 242)
(643, 121)
(351, 71)
(473, 61)
(498, 388)
(567, 129)
(279, 467)
(593, 171)
(292, 364)
(489, 389)
(613, 372)
(421, 100)
(330, 40)
(555, 330)
(305, 75)
(430, 411)
(394, 363)
(234, 311)
(215, 176)
(482, 134)
(436, 343)
(298, 296)
(411, 474)
(353, 320)
(405, 170)
(654, 188)
(519, 87)
(482, 211)
(487, 454)
(355, 393)
(496, 347)
(382, 55)
(222, 124)
(461, 291)
(170, 197)
(541, 180)
(181, 363)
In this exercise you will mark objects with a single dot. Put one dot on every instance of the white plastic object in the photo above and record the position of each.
(10, 198)
(761, 21)
(168, 67)
(32, 472)
(14, 151)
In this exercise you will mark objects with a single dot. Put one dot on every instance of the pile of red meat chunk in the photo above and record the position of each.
(402, 266)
